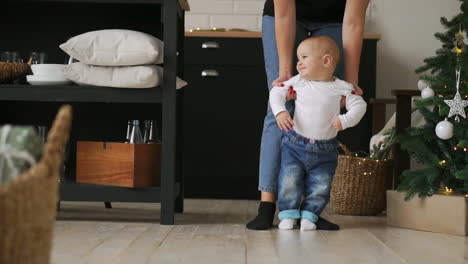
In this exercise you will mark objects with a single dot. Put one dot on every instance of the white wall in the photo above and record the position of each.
(244, 14)
(407, 30)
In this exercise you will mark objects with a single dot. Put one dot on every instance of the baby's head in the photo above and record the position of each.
(317, 58)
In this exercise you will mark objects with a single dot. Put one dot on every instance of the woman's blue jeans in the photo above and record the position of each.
(270, 150)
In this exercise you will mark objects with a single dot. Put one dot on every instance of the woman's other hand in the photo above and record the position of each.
(357, 90)
(291, 94)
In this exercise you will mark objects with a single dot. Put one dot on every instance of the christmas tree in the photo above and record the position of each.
(441, 145)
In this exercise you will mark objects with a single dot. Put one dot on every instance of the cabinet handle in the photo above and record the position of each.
(209, 73)
(210, 45)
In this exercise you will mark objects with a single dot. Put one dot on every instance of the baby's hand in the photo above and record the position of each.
(284, 121)
(337, 123)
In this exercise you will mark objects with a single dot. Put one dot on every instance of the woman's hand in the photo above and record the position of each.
(279, 82)
(291, 94)
(358, 90)
(284, 121)
(282, 78)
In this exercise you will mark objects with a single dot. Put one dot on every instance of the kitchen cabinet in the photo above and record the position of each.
(224, 107)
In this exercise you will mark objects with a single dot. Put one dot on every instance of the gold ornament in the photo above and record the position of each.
(459, 44)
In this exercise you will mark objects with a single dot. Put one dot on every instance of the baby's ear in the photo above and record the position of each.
(327, 60)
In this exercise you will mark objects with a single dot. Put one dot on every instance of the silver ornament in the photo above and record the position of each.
(457, 105)
(444, 129)
(427, 92)
(422, 85)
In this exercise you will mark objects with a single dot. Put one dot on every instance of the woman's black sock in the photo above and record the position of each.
(264, 219)
(323, 224)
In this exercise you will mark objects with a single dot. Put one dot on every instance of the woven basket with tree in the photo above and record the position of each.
(360, 183)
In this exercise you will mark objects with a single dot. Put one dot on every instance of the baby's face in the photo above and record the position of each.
(309, 61)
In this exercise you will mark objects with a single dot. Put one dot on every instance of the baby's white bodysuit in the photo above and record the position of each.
(316, 105)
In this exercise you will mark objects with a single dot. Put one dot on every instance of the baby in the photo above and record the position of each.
(309, 153)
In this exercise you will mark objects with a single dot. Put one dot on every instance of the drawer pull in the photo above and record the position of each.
(209, 73)
(210, 45)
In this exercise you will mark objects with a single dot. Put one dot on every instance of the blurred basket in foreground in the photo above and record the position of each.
(28, 203)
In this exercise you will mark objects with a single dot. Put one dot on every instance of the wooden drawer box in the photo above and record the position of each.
(118, 164)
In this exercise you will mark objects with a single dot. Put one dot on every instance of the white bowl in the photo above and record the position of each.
(48, 69)
(47, 80)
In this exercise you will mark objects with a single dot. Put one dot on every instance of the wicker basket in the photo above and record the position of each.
(360, 184)
(28, 204)
(9, 71)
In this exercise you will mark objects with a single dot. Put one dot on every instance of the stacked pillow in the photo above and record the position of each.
(116, 58)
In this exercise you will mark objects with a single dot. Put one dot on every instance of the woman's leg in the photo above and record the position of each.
(269, 165)
(270, 149)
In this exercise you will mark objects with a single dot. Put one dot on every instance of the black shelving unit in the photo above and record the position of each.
(21, 30)
(75, 93)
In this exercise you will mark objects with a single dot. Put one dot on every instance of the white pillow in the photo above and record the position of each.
(147, 76)
(115, 47)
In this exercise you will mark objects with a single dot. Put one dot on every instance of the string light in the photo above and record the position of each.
(448, 191)
(364, 160)
(442, 162)
(455, 148)
(465, 149)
